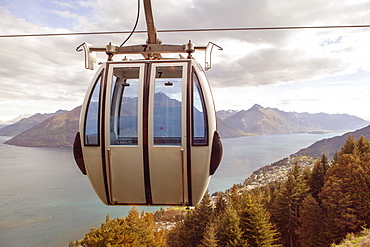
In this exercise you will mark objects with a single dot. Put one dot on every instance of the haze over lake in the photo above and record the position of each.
(45, 199)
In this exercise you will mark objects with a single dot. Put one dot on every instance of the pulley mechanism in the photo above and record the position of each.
(152, 50)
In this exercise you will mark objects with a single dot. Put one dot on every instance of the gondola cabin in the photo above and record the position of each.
(147, 133)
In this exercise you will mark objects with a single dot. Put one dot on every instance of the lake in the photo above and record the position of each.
(46, 201)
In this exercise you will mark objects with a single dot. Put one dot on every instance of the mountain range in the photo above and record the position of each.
(59, 129)
(271, 121)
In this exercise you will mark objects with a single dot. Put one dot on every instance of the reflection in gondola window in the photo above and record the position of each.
(92, 116)
(199, 115)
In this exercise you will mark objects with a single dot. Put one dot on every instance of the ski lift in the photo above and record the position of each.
(148, 132)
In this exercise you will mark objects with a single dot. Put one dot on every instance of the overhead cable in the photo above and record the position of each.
(136, 22)
(185, 30)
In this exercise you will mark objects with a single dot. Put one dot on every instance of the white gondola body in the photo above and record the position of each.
(148, 133)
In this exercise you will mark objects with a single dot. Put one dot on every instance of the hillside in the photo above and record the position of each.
(56, 131)
(305, 157)
(26, 123)
(276, 171)
(331, 145)
(229, 131)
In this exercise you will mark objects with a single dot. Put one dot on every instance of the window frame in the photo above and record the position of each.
(121, 141)
(173, 141)
(197, 84)
(99, 80)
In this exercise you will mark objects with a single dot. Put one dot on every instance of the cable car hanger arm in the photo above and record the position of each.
(151, 50)
(151, 29)
(147, 50)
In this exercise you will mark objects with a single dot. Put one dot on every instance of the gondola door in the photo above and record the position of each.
(166, 132)
(146, 146)
(125, 142)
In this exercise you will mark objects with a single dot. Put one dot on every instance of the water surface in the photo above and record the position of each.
(46, 201)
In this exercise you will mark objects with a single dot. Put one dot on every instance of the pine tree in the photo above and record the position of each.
(285, 209)
(317, 178)
(336, 157)
(177, 236)
(209, 239)
(363, 146)
(269, 194)
(339, 208)
(255, 223)
(312, 221)
(234, 198)
(136, 234)
(220, 205)
(191, 231)
(200, 218)
(346, 193)
(363, 195)
(229, 232)
(349, 146)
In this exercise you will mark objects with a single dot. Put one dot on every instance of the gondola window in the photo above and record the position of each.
(124, 106)
(167, 105)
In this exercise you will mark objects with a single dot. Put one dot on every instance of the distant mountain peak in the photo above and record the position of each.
(257, 106)
(61, 111)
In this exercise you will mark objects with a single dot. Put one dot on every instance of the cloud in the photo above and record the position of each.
(45, 73)
(36, 72)
(62, 4)
(69, 15)
(274, 65)
(280, 56)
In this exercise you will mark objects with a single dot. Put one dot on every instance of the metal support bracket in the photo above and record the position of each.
(208, 58)
(90, 55)
(149, 51)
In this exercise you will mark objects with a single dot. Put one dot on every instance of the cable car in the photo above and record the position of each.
(148, 132)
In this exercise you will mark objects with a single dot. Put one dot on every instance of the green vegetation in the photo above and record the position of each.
(134, 230)
(361, 239)
(316, 205)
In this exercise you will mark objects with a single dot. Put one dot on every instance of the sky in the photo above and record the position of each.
(315, 70)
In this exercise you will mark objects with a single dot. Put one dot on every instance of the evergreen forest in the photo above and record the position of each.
(316, 206)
